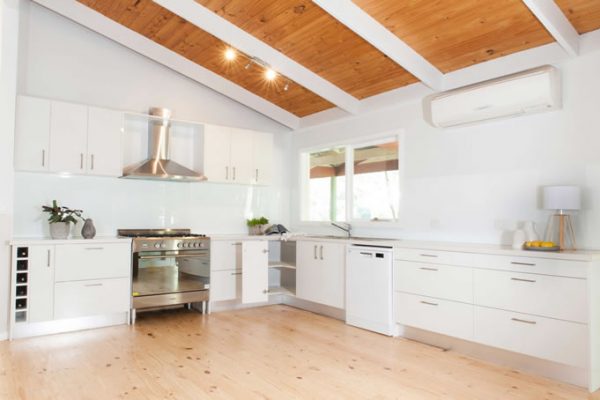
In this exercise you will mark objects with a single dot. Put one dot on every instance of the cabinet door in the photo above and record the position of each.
(68, 137)
(225, 255)
(32, 139)
(216, 153)
(255, 271)
(329, 289)
(307, 269)
(242, 163)
(40, 291)
(88, 298)
(104, 146)
(225, 285)
(262, 156)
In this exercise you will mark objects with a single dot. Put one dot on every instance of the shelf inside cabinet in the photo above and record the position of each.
(281, 290)
(281, 264)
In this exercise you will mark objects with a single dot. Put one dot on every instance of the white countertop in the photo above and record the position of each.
(77, 240)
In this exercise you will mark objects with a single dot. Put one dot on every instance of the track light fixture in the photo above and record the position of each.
(270, 74)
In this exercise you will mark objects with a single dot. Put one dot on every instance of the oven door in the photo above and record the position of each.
(168, 272)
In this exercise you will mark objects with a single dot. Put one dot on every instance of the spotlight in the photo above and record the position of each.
(270, 74)
(230, 54)
(286, 87)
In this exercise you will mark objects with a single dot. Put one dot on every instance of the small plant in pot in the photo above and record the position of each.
(60, 219)
(256, 225)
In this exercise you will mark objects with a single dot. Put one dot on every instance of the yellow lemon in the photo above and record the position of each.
(547, 244)
(536, 243)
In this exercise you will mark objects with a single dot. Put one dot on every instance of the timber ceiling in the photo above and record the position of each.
(449, 34)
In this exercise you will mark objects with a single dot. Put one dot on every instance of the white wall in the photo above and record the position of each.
(62, 60)
(473, 183)
(8, 74)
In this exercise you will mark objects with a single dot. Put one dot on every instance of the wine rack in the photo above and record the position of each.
(21, 279)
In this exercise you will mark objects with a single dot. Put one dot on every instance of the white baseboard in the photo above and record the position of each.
(67, 325)
(3, 336)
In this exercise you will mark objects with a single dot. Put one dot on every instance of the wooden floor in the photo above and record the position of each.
(274, 352)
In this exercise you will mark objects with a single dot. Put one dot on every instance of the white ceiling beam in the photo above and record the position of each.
(555, 21)
(365, 26)
(105, 26)
(219, 27)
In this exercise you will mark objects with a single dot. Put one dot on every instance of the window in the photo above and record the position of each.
(327, 185)
(352, 183)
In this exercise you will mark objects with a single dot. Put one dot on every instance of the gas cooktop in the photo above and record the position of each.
(159, 233)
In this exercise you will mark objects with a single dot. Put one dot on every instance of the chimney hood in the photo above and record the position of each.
(157, 165)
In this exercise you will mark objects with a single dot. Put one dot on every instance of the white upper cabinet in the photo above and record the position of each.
(262, 155)
(68, 137)
(234, 155)
(104, 156)
(241, 156)
(56, 136)
(32, 140)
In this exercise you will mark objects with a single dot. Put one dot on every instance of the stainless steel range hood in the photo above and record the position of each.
(158, 165)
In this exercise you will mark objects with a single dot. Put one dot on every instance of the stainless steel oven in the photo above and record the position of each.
(170, 267)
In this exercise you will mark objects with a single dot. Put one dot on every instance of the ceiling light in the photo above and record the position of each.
(270, 74)
(230, 54)
(286, 87)
(247, 66)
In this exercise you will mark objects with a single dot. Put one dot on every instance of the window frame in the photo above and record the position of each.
(349, 147)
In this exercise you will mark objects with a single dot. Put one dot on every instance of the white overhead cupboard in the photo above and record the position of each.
(55, 136)
(61, 137)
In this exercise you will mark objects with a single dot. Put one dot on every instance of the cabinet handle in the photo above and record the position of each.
(92, 161)
(429, 303)
(524, 321)
(321, 253)
(256, 174)
(226, 173)
(265, 251)
(522, 263)
(48, 259)
(236, 273)
(94, 248)
(428, 269)
(265, 291)
(233, 175)
(522, 280)
(81, 161)
(315, 252)
(43, 157)
(93, 284)
(236, 244)
(429, 255)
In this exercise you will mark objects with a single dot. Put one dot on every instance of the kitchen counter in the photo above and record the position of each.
(49, 241)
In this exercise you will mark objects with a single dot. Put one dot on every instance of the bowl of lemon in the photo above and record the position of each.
(538, 245)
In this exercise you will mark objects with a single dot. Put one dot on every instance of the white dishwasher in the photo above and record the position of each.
(369, 295)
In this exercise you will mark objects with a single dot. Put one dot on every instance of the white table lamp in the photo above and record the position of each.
(561, 199)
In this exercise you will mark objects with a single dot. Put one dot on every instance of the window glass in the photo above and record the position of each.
(376, 182)
(327, 185)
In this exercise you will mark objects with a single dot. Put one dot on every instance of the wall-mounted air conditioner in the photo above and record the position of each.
(522, 93)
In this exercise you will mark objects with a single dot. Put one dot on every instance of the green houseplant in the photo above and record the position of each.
(256, 225)
(60, 219)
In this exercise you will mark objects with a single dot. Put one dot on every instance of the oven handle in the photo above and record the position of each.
(172, 256)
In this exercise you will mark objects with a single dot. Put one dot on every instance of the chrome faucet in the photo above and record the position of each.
(346, 227)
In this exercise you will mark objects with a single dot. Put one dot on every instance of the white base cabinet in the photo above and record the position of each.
(55, 281)
(535, 305)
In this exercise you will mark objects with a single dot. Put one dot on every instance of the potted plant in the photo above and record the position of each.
(60, 219)
(256, 225)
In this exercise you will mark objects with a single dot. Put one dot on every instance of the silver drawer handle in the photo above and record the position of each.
(428, 269)
(429, 255)
(236, 273)
(236, 244)
(524, 321)
(522, 280)
(94, 248)
(93, 284)
(522, 263)
(428, 303)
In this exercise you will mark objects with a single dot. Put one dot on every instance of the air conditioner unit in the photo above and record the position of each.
(526, 92)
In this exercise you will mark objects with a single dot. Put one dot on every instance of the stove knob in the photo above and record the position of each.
(195, 244)
(179, 245)
(157, 245)
(163, 245)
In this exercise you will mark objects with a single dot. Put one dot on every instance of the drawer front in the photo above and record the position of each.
(88, 298)
(225, 285)
(225, 255)
(94, 261)
(440, 316)
(433, 256)
(434, 280)
(550, 296)
(546, 338)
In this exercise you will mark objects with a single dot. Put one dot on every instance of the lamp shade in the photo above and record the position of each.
(562, 198)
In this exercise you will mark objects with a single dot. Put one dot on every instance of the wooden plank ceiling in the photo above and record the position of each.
(163, 27)
(583, 14)
(455, 34)
(450, 34)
